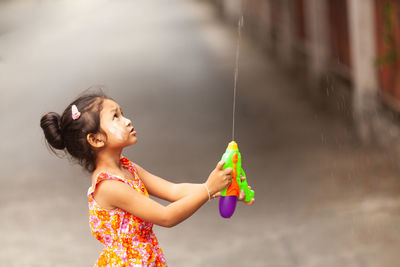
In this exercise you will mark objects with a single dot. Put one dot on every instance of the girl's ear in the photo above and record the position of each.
(96, 140)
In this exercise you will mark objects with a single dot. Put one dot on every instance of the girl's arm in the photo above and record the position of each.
(164, 189)
(115, 194)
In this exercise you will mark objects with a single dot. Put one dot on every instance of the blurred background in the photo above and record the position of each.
(317, 123)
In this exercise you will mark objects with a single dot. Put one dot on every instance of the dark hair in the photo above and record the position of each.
(64, 133)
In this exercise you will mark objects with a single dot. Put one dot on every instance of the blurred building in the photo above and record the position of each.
(347, 50)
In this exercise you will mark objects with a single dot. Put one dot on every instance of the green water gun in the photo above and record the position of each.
(228, 199)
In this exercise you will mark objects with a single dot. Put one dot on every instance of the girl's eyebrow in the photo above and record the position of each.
(115, 109)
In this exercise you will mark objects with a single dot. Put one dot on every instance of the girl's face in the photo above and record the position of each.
(119, 130)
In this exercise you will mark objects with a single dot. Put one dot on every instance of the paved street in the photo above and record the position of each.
(322, 199)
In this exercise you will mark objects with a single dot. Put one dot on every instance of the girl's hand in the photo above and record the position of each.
(216, 195)
(243, 195)
(219, 178)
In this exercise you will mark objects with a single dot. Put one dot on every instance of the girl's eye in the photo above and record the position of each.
(115, 116)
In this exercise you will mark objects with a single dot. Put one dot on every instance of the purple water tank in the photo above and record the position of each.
(227, 206)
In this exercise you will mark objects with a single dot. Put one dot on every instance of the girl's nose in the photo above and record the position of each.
(128, 122)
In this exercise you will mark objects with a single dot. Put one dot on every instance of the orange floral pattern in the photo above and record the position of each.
(128, 240)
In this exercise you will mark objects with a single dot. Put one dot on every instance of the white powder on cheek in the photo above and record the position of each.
(116, 130)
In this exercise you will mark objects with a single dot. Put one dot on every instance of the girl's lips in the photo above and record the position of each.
(133, 132)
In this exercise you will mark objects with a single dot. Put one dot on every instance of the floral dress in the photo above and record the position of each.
(128, 240)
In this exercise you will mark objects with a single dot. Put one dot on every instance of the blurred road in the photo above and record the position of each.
(322, 200)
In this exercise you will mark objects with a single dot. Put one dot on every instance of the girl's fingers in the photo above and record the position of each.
(228, 170)
(220, 165)
(244, 178)
(251, 202)
(242, 195)
(229, 178)
(216, 195)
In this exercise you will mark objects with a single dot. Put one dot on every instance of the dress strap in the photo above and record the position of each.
(104, 176)
(128, 164)
(137, 181)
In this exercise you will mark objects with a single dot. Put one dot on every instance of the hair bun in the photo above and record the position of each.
(50, 124)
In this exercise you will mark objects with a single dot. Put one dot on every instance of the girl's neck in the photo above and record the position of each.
(108, 160)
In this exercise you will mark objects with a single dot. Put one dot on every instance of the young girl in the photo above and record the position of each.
(94, 132)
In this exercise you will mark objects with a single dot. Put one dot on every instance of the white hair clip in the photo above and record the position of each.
(75, 113)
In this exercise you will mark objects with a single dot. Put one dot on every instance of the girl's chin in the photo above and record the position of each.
(130, 142)
(134, 141)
